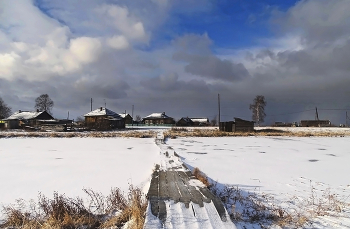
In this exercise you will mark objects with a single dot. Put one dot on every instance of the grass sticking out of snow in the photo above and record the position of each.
(183, 132)
(92, 134)
(115, 210)
(265, 210)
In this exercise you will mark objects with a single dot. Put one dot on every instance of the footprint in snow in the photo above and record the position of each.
(313, 160)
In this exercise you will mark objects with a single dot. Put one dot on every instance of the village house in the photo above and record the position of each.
(26, 118)
(158, 119)
(186, 121)
(239, 125)
(103, 119)
(127, 118)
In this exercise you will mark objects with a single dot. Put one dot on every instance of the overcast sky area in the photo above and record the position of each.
(175, 56)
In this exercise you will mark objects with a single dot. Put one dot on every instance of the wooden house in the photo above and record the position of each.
(315, 123)
(184, 121)
(127, 118)
(103, 119)
(158, 119)
(26, 118)
(239, 125)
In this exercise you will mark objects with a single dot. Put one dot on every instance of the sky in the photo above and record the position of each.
(176, 56)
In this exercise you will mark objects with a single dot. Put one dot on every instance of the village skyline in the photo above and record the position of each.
(177, 56)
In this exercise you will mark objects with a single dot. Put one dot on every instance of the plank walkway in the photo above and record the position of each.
(174, 185)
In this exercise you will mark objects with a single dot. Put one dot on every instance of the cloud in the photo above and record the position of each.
(118, 42)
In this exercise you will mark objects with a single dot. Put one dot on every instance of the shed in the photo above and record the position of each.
(315, 123)
(26, 118)
(158, 119)
(104, 119)
(239, 125)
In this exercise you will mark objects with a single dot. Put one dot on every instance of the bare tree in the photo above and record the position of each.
(44, 103)
(213, 122)
(5, 111)
(258, 109)
(138, 118)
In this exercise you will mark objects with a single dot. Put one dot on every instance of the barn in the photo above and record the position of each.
(239, 125)
(103, 119)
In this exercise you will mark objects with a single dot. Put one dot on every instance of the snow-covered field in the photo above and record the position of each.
(67, 165)
(281, 166)
(284, 167)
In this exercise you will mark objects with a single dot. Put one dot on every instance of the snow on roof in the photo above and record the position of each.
(202, 120)
(24, 115)
(103, 112)
(157, 115)
(123, 115)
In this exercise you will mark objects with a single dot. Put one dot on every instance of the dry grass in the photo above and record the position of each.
(176, 132)
(201, 176)
(264, 209)
(62, 212)
(91, 134)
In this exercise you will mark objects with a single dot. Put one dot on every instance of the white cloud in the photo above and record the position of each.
(118, 42)
(85, 49)
(125, 23)
(7, 64)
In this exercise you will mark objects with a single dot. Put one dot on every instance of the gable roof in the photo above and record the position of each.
(103, 112)
(26, 115)
(157, 116)
(123, 115)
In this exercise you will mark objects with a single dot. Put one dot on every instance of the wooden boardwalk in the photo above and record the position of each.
(175, 185)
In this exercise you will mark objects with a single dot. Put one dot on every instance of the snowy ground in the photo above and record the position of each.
(67, 165)
(281, 166)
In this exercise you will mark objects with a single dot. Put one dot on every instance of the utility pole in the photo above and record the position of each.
(219, 108)
(316, 115)
(346, 119)
(91, 104)
(105, 103)
(132, 115)
(68, 115)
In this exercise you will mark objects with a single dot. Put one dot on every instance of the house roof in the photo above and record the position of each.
(201, 120)
(25, 115)
(103, 112)
(157, 116)
(123, 115)
(186, 119)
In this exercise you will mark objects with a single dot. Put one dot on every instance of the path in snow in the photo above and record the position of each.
(179, 200)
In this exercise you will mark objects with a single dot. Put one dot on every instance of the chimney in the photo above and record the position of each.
(37, 110)
(101, 108)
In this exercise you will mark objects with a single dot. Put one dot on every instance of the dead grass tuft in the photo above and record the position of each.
(114, 210)
(201, 176)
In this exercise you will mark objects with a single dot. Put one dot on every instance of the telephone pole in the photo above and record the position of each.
(91, 104)
(219, 108)
(316, 115)
(132, 115)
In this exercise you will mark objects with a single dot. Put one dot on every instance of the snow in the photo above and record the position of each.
(67, 165)
(201, 120)
(24, 115)
(157, 115)
(280, 166)
(102, 112)
(283, 167)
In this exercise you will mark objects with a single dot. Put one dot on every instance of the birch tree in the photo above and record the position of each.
(258, 109)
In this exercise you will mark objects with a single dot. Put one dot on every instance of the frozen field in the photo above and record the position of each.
(284, 167)
(67, 165)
